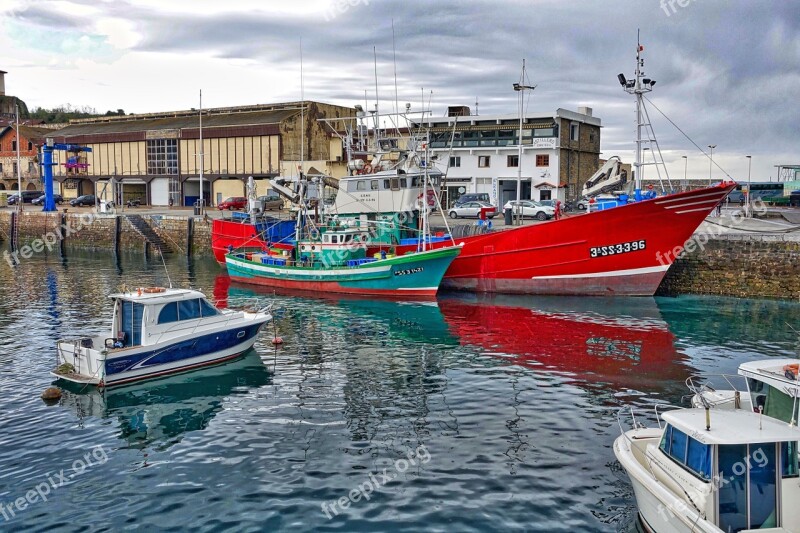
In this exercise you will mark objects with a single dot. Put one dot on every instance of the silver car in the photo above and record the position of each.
(473, 209)
(270, 201)
(531, 208)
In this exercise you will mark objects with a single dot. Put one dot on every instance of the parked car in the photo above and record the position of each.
(472, 197)
(57, 198)
(531, 208)
(86, 199)
(794, 199)
(234, 202)
(133, 202)
(270, 201)
(27, 197)
(582, 203)
(473, 209)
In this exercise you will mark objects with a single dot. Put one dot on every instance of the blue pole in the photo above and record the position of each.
(47, 174)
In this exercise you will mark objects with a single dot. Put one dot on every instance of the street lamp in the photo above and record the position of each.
(749, 211)
(710, 162)
(685, 169)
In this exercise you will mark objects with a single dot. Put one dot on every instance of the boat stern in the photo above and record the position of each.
(80, 361)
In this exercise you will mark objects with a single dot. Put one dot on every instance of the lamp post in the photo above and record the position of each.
(749, 211)
(520, 88)
(685, 169)
(710, 162)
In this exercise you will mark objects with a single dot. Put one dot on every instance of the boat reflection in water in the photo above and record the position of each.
(623, 342)
(158, 413)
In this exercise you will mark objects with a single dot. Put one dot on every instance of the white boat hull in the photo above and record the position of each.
(659, 509)
(107, 367)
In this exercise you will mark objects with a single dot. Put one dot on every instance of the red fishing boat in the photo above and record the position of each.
(624, 250)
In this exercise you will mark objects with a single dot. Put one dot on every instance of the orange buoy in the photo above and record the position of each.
(277, 340)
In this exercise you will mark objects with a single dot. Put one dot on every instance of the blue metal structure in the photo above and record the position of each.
(47, 168)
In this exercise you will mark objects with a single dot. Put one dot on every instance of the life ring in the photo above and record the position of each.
(313, 234)
(367, 169)
(153, 290)
(792, 371)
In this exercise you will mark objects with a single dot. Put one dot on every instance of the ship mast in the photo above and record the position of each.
(640, 86)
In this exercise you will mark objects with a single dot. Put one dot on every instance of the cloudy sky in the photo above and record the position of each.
(728, 72)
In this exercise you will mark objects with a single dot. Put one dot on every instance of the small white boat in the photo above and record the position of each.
(768, 385)
(708, 470)
(155, 332)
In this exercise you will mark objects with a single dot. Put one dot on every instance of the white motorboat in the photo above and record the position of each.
(708, 470)
(155, 332)
(768, 385)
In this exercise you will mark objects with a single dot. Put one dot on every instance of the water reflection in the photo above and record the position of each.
(622, 342)
(157, 414)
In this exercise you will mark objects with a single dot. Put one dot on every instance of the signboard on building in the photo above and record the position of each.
(161, 134)
(544, 142)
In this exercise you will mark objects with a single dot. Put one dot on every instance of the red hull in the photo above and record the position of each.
(567, 256)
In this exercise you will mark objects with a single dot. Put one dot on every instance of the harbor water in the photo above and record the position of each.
(468, 414)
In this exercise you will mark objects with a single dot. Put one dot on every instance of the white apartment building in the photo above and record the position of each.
(559, 152)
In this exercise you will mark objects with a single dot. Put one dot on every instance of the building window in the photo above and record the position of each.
(15, 169)
(573, 132)
(30, 146)
(543, 160)
(162, 156)
(455, 161)
(31, 167)
(14, 146)
(483, 161)
(513, 160)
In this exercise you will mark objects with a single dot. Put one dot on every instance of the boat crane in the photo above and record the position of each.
(47, 167)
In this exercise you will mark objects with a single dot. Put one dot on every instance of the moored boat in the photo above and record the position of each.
(713, 471)
(340, 267)
(157, 331)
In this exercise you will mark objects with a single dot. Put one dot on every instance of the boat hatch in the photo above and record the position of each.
(129, 332)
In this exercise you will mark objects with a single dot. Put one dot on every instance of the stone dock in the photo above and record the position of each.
(728, 256)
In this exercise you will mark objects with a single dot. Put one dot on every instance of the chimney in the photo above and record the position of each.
(585, 111)
(2, 82)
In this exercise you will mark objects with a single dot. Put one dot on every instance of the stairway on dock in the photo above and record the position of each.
(148, 234)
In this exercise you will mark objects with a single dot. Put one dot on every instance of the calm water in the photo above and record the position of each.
(474, 415)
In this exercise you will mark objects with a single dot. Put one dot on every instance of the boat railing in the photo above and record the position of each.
(635, 417)
(700, 385)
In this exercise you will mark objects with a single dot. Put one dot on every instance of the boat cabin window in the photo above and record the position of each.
(373, 184)
(775, 403)
(386, 184)
(335, 239)
(186, 310)
(748, 469)
(394, 184)
(403, 183)
(687, 452)
(789, 459)
(361, 185)
(416, 181)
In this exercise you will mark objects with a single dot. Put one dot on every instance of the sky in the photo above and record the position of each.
(727, 72)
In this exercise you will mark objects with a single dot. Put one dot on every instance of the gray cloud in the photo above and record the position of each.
(727, 72)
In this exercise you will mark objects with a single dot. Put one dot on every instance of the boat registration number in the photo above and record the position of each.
(408, 271)
(616, 249)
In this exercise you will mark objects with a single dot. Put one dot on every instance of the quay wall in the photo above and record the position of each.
(747, 266)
